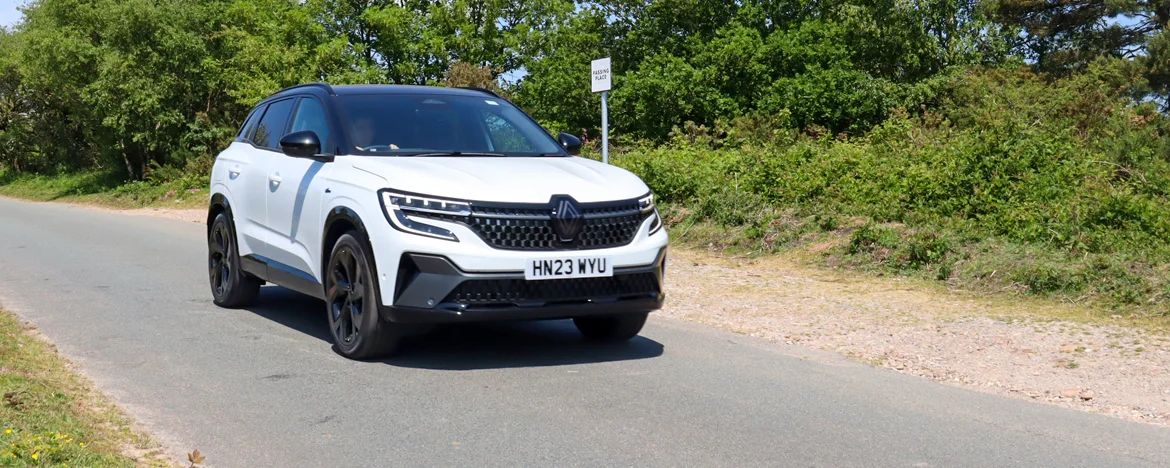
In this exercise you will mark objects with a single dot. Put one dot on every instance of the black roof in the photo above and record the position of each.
(368, 89)
(342, 90)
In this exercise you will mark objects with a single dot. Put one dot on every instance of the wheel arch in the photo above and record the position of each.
(341, 219)
(219, 204)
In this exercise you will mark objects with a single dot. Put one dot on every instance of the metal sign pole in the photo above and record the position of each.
(604, 128)
(602, 78)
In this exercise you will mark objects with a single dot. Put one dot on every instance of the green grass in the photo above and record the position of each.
(51, 416)
(106, 188)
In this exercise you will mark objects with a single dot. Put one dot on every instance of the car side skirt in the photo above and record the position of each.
(278, 273)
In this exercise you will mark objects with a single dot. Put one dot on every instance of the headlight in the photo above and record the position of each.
(656, 224)
(398, 206)
(646, 204)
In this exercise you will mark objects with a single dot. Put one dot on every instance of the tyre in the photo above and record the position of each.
(351, 300)
(230, 286)
(611, 328)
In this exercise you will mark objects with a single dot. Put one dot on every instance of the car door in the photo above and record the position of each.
(247, 176)
(294, 196)
(236, 173)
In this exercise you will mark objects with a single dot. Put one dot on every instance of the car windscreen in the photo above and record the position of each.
(437, 124)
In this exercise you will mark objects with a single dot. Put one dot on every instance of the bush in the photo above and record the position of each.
(871, 237)
(1047, 278)
(926, 248)
(1079, 179)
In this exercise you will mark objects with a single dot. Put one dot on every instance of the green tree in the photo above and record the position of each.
(1064, 35)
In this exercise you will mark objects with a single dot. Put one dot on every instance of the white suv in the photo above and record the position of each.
(407, 205)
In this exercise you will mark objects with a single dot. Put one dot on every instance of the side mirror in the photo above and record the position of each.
(303, 144)
(571, 143)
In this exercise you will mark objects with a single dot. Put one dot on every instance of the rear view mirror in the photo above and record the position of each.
(571, 143)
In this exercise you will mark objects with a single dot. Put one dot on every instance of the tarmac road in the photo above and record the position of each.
(126, 298)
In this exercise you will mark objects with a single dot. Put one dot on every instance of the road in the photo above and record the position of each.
(126, 298)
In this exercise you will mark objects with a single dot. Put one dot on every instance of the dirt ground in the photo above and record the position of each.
(1023, 348)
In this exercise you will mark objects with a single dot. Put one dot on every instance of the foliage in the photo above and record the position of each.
(841, 65)
(1069, 165)
(148, 84)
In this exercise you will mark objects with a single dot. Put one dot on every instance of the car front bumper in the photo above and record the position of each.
(432, 289)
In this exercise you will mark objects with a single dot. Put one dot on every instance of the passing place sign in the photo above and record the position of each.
(602, 77)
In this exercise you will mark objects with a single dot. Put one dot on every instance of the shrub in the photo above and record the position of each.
(1045, 278)
(872, 237)
(926, 248)
(1010, 157)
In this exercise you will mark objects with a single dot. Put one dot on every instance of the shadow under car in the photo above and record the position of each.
(488, 345)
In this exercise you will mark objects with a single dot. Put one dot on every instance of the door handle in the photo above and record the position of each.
(274, 178)
(235, 170)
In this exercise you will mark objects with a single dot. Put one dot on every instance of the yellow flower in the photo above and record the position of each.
(8, 431)
(81, 444)
(35, 456)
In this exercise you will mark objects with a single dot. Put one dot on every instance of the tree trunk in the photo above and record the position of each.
(126, 158)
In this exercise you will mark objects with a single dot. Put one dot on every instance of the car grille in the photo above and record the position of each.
(510, 292)
(511, 228)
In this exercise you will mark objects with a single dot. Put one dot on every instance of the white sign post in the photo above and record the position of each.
(602, 83)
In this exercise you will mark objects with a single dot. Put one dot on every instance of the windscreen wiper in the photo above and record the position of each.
(457, 153)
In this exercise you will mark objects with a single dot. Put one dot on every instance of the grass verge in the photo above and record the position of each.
(107, 189)
(51, 416)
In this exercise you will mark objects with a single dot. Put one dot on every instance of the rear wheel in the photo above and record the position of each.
(230, 286)
(611, 328)
(351, 297)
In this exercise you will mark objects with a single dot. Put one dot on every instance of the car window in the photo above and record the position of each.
(311, 116)
(250, 123)
(405, 124)
(504, 136)
(272, 125)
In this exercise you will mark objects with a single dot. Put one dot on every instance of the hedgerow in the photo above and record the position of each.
(1067, 167)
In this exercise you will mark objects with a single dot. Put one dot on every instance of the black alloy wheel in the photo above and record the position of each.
(347, 296)
(230, 286)
(351, 298)
(221, 264)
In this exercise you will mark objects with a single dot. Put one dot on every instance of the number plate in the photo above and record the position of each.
(570, 267)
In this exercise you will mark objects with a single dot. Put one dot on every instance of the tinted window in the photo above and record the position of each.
(311, 116)
(250, 123)
(404, 124)
(271, 126)
(504, 136)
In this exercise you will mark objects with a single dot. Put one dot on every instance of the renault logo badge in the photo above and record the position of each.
(567, 220)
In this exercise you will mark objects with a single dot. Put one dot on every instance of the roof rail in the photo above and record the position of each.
(482, 90)
(322, 85)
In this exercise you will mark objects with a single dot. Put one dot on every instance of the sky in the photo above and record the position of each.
(9, 15)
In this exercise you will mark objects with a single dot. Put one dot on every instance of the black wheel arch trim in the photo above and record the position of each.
(336, 214)
(218, 200)
(344, 213)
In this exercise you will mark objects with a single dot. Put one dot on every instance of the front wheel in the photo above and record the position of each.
(230, 286)
(352, 300)
(611, 328)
